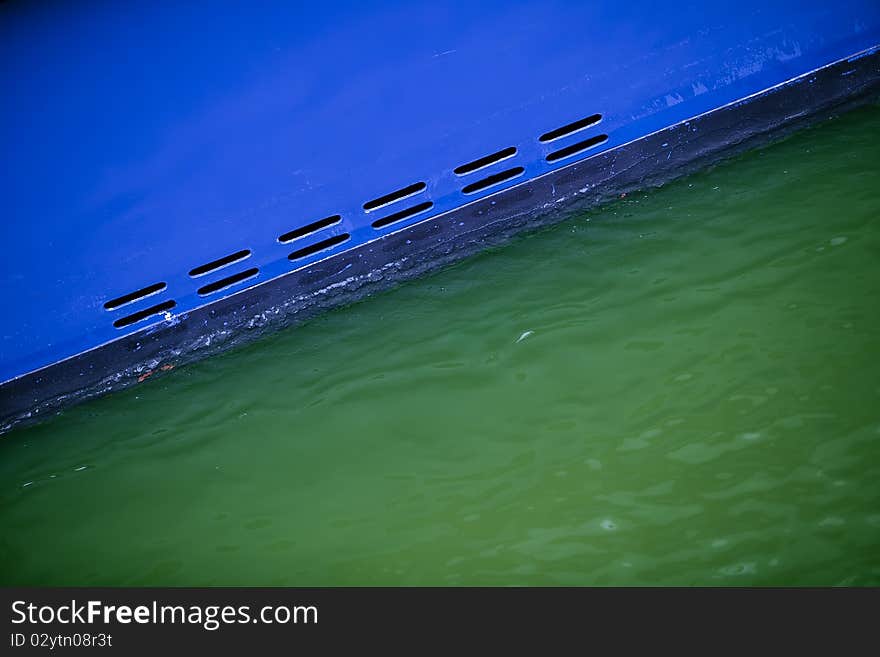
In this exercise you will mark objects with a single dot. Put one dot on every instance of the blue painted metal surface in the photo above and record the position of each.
(140, 142)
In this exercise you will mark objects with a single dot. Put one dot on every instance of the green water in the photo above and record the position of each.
(681, 388)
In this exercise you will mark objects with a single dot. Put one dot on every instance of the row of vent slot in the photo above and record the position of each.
(228, 281)
(370, 206)
(493, 179)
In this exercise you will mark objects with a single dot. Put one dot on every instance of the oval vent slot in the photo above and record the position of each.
(229, 281)
(484, 162)
(494, 179)
(308, 229)
(318, 246)
(579, 147)
(393, 197)
(571, 128)
(403, 214)
(225, 261)
(131, 297)
(158, 309)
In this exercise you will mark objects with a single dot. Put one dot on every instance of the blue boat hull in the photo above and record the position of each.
(180, 182)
